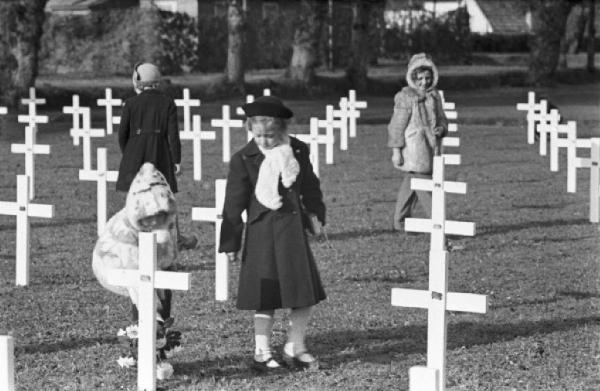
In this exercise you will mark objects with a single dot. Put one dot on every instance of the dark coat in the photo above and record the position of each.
(149, 133)
(278, 269)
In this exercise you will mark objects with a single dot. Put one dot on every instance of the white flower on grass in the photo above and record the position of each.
(164, 370)
(126, 362)
(173, 351)
(121, 333)
(161, 342)
(132, 331)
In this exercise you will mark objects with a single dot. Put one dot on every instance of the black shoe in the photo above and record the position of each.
(269, 365)
(303, 360)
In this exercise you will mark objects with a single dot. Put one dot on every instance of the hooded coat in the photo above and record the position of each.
(278, 269)
(415, 116)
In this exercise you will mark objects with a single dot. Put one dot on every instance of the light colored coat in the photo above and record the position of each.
(415, 116)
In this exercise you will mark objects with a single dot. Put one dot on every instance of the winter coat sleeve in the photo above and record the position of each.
(173, 133)
(312, 197)
(124, 128)
(237, 198)
(399, 120)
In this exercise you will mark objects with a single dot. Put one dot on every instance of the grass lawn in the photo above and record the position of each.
(535, 255)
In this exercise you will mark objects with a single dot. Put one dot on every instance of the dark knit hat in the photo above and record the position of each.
(269, 106)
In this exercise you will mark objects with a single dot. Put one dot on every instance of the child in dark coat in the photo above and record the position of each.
(272, 179)
(149, 133)
(414, 134)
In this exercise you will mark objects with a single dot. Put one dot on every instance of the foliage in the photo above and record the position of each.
(500, 43)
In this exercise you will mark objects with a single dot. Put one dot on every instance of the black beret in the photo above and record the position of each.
(269, 106)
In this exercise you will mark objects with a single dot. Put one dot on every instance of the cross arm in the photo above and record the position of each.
(162, 280)
(448, 186)
(451, 142)
(24, 148)
(450, 227)
(459, 302)
(38, 210)
(205, 214)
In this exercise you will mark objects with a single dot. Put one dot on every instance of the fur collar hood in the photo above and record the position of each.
(418, 60)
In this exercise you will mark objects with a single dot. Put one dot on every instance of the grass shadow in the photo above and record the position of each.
(503, 229)
(59, 346)
(359, 233)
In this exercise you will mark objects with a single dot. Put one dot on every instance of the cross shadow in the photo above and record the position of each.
(503, 229)
(540, 206)
(55, 223)
(359, 233)
(195, 267)
(69, 344)
(559, 295)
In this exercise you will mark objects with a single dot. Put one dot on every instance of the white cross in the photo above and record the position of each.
(593, 163)
(329, 123)
(437, 299)
(3, 110)
(32, 118)
(86, 132)
(354, 104)
(545, 127)
(187, 103)
(266, 92)
(109, 102)
(451, 114)
(451, 141)
(226, 123)
(101, 175)
(446, 105)
(7, 363)
(30, 149)
(531, 107)
(342, 114)
(197, 135)
(239, 110)
(571, 143)
(214, 215)
(76, 111)
(146, 280)
(313, 139)
(22, 209)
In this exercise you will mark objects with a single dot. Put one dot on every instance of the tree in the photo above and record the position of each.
(22, 22)
(575, 26)
(305, 48)
(548, 27)
(235, 47)
(591, 35)
(356, 70)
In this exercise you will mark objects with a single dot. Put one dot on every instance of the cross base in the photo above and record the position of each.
(423, 379)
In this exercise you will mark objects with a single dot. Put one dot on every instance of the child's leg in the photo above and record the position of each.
(299, 318)
(263, 328)
(404, 202)
(164, 302)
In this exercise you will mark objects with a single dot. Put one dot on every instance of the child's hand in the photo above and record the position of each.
(177, 169)
(397, 159)
(232, 257)
(438, 131)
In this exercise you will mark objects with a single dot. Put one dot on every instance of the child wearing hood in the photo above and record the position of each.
(414, 134)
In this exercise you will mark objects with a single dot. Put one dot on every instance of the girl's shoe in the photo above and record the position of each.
(268, 365)
(302, 360)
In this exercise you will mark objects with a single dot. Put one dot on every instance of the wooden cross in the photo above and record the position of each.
(86, 132)
(23, 210)
(214, 215)
(266, 92)
(226, 123)
(571, 143)
(109, 102)
(76, 111)
(453, 127)
(3, 110)
(146, 279)
(593, 163)
(354, 114)
(313, 139)
(32, 118)
(446, 105)
(239, 110)
(30, 149)
(342, 114)
(437, 299)
(197, 135)
(187, 103)
(451, 141)
(101, 175)
(329, 123)
(532, 108)
(7, 363)
(545, 127)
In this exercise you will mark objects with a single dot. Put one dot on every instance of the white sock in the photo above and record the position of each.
(299, 318)
(263, 327)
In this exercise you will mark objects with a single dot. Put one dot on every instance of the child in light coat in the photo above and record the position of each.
(414, 134)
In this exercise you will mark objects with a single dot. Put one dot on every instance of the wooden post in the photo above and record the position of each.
(109, 102)
(266, 92)
(342, 114)
(313, 140)
(32, 119)
(86, 133)
(30, 149)
(76, 111)
(329, 123)
(147, 279)
(7, 363)
(545, 127)
(353, 105)
(531, 107)
(197, 135)
(593, 163)
(187, 103)
(101, 175)
(226, 123)
(22, 209)
(3, 110)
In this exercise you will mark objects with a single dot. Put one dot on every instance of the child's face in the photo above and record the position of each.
(423, 80)
(266, 137)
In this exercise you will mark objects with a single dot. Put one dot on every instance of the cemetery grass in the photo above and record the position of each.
(535, 255)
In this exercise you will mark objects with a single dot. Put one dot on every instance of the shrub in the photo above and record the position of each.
(500, 43)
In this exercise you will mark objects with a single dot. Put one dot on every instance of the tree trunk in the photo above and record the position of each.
(548, 26)
(235, 28)
(19, 46)
(305, 48)
(574, 29)
(591, 34)
(356, 71)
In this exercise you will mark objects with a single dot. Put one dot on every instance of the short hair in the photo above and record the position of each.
(420, 69)
(268, 122)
